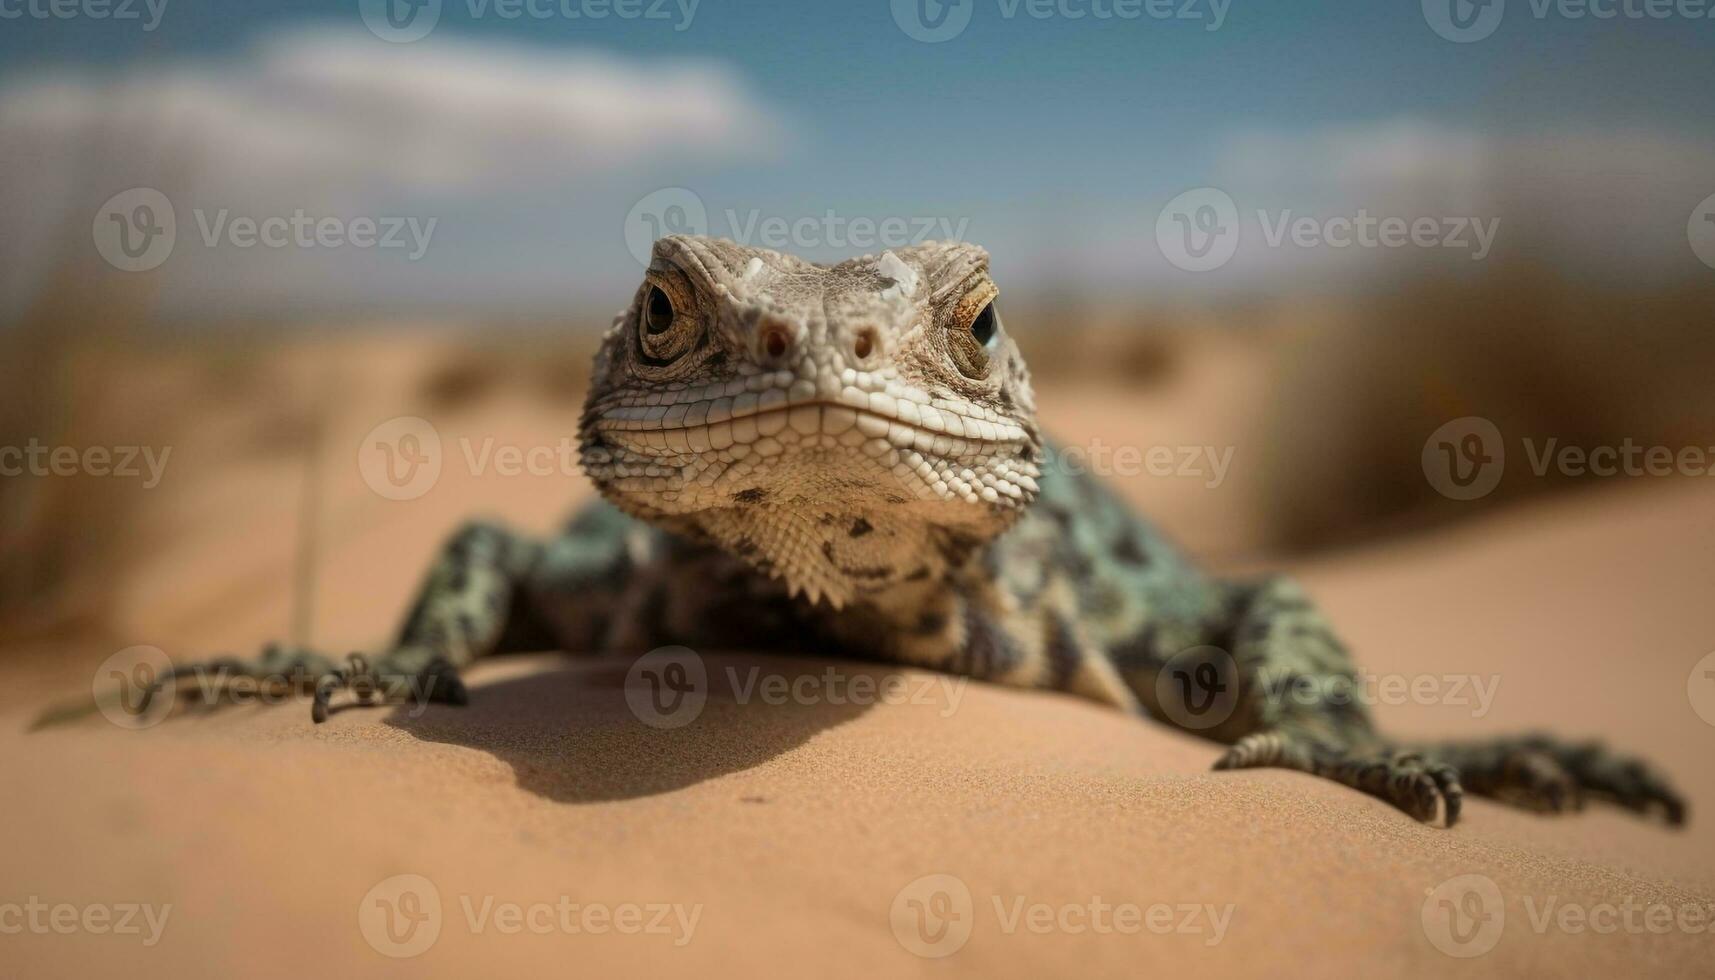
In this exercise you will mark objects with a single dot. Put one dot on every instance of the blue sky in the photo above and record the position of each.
(1027, 128)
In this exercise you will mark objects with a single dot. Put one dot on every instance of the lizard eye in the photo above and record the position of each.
(668, 324)
(983, 327)
(658, 312)
(973, 329)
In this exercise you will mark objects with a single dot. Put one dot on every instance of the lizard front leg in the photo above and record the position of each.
(491, 590)
(494, 591)
(463, 612)
(1298, 700)
(1297, 708)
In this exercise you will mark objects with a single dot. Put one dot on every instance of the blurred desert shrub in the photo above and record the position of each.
(87, 366)
(1358, 386)
(1066, 338)
(60, 369)
(1538, 355)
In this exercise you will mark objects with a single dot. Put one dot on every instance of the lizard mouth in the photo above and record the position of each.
(932, 450)
(827, 490)
(767, 426)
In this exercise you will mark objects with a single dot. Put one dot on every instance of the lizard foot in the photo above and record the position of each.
(281, 668)
(1533, 781)
(1554, 775)
(398, 676)
(1422, 786)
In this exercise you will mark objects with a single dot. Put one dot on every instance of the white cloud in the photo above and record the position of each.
(338, 123)
(310, 109)
(1604, 202)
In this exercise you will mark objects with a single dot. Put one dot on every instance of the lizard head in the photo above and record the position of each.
(846, 428)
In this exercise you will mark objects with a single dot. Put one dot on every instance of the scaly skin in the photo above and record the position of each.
(804, 457)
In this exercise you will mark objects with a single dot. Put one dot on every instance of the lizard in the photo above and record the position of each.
(846, 457)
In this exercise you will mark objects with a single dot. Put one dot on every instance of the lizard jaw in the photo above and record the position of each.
(838, 493)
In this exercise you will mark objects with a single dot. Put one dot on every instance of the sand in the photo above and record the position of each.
(559, 835)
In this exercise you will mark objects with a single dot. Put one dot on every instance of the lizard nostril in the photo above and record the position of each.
(864, 343)
(776, 341)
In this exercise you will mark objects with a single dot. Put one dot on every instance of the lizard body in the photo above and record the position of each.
(846, 459)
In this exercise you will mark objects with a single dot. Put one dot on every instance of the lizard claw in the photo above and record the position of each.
(355, 676)
(438, 682)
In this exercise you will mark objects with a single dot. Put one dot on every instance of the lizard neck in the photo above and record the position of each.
(841, 556)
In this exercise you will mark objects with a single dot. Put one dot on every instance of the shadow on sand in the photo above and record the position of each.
(570, 733)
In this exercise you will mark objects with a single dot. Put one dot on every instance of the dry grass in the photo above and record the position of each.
(1538, 356)
(1358, 388)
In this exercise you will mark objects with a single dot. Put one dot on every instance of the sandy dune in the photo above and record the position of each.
(763, 838)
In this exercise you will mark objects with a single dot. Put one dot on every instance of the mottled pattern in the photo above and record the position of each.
(846, 459)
